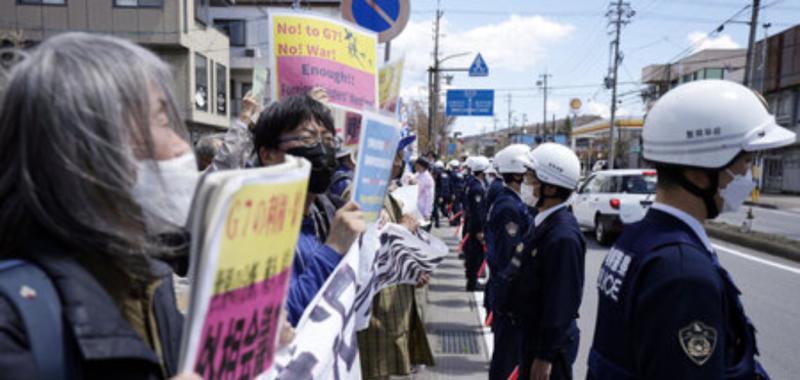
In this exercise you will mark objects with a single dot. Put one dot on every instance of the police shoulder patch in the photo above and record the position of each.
(512, 229)
(520, 247)
(698, 341)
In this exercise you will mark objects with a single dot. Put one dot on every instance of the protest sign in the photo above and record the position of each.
(347, 122)
(325, 346)
(260, 76)
(314, 51)
(244, 228)
(376, 150)
(390, 77)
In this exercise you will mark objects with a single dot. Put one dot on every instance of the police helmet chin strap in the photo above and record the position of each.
(707, 194)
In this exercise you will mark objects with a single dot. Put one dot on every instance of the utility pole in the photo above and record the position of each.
(619, 14)
(554, 127)
(508, 101)
(763, 66)
(748, 65)
(434, 87)
(542, 83)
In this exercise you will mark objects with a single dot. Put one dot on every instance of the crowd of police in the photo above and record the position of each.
(667, 308)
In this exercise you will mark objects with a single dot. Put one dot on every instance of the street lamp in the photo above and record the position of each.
(433, 79)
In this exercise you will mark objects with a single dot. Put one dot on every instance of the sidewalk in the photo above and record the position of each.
(783, 202)
(452, 322)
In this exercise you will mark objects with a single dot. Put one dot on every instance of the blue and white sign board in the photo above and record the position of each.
(376, 150)
(470, 103)
(386, 17)
(478, 67)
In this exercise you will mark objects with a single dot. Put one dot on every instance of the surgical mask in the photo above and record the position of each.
(736, 192)
(323, 165)
(526, 191)
(164, 190)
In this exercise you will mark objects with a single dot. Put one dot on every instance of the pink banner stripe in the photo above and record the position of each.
(240, 330)
(344, 84)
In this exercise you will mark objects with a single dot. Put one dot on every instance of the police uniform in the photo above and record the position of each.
(667, 309)
(457, 189)
(547, 292)
(509, 220)
(443, 193)
(494, 189)
(475, 217)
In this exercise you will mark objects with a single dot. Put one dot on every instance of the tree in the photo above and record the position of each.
(418, 111)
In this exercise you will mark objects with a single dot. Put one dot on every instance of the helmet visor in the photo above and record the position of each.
(769, 136)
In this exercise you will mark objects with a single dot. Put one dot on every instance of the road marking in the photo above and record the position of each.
(757, 259)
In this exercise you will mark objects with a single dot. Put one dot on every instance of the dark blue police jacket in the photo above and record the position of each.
(494, 189)
(456, 185)
(508, 222)
(313, 263)
(668, 310)
(474, 206)
(443, 185)
(548, 288)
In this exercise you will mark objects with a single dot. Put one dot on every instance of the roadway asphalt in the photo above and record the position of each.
(778, 222)
(770, 292)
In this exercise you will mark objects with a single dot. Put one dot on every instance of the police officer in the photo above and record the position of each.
(667, 308)
(456, 188)
(475, 212)
(508, 221)
(442, 179)
(548, 287)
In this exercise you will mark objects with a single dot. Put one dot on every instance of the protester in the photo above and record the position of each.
(427, 188)
(237, 145)
(81, 137)
(395, 341)
(206, 149)
(303, 127)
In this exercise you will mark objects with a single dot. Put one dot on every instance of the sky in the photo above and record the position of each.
(568, 39)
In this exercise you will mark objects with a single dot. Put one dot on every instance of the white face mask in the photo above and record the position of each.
(526, 192)
(165, 193)
(736, 192)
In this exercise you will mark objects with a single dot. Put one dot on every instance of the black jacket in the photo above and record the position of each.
(104, 344)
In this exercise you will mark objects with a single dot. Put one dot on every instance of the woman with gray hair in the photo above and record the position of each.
(93, 163)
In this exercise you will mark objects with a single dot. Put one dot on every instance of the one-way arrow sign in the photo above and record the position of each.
(478, 67)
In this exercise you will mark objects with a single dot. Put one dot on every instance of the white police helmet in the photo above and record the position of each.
(453, 164)
(478, 163)
(439, 164)
(555, 164)
(707, 123)
(511, 159)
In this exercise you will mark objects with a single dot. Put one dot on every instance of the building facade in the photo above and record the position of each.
(179, 31)
(725, 64)
(776, 74)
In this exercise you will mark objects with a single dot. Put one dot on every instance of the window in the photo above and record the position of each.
(139, 3)
(42, 2)
(638, 184)
(713, 73)
(222, 93)
(201, 82)
(234, 29)
(591, 185)
(201, 11)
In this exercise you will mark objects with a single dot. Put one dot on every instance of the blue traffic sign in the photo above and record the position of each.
(386, 17)
(478, 67)
(470, 103)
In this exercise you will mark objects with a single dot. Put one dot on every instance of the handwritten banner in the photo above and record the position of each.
(390, 78)
(242, 273)
(347, 122)
(315, 51)
(376, 151)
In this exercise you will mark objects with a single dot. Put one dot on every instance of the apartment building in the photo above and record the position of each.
(179, 31)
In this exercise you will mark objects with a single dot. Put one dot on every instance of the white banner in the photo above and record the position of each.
(325, 344)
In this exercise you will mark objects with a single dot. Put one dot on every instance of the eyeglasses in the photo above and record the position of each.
(308, 140)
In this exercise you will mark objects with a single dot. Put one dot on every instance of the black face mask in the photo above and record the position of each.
(323, 165)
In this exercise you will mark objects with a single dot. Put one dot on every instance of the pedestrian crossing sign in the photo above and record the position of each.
(478, 67)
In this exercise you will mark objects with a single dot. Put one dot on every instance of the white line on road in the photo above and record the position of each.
(757, 259)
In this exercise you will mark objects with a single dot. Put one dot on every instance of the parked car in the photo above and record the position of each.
(598, 202)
